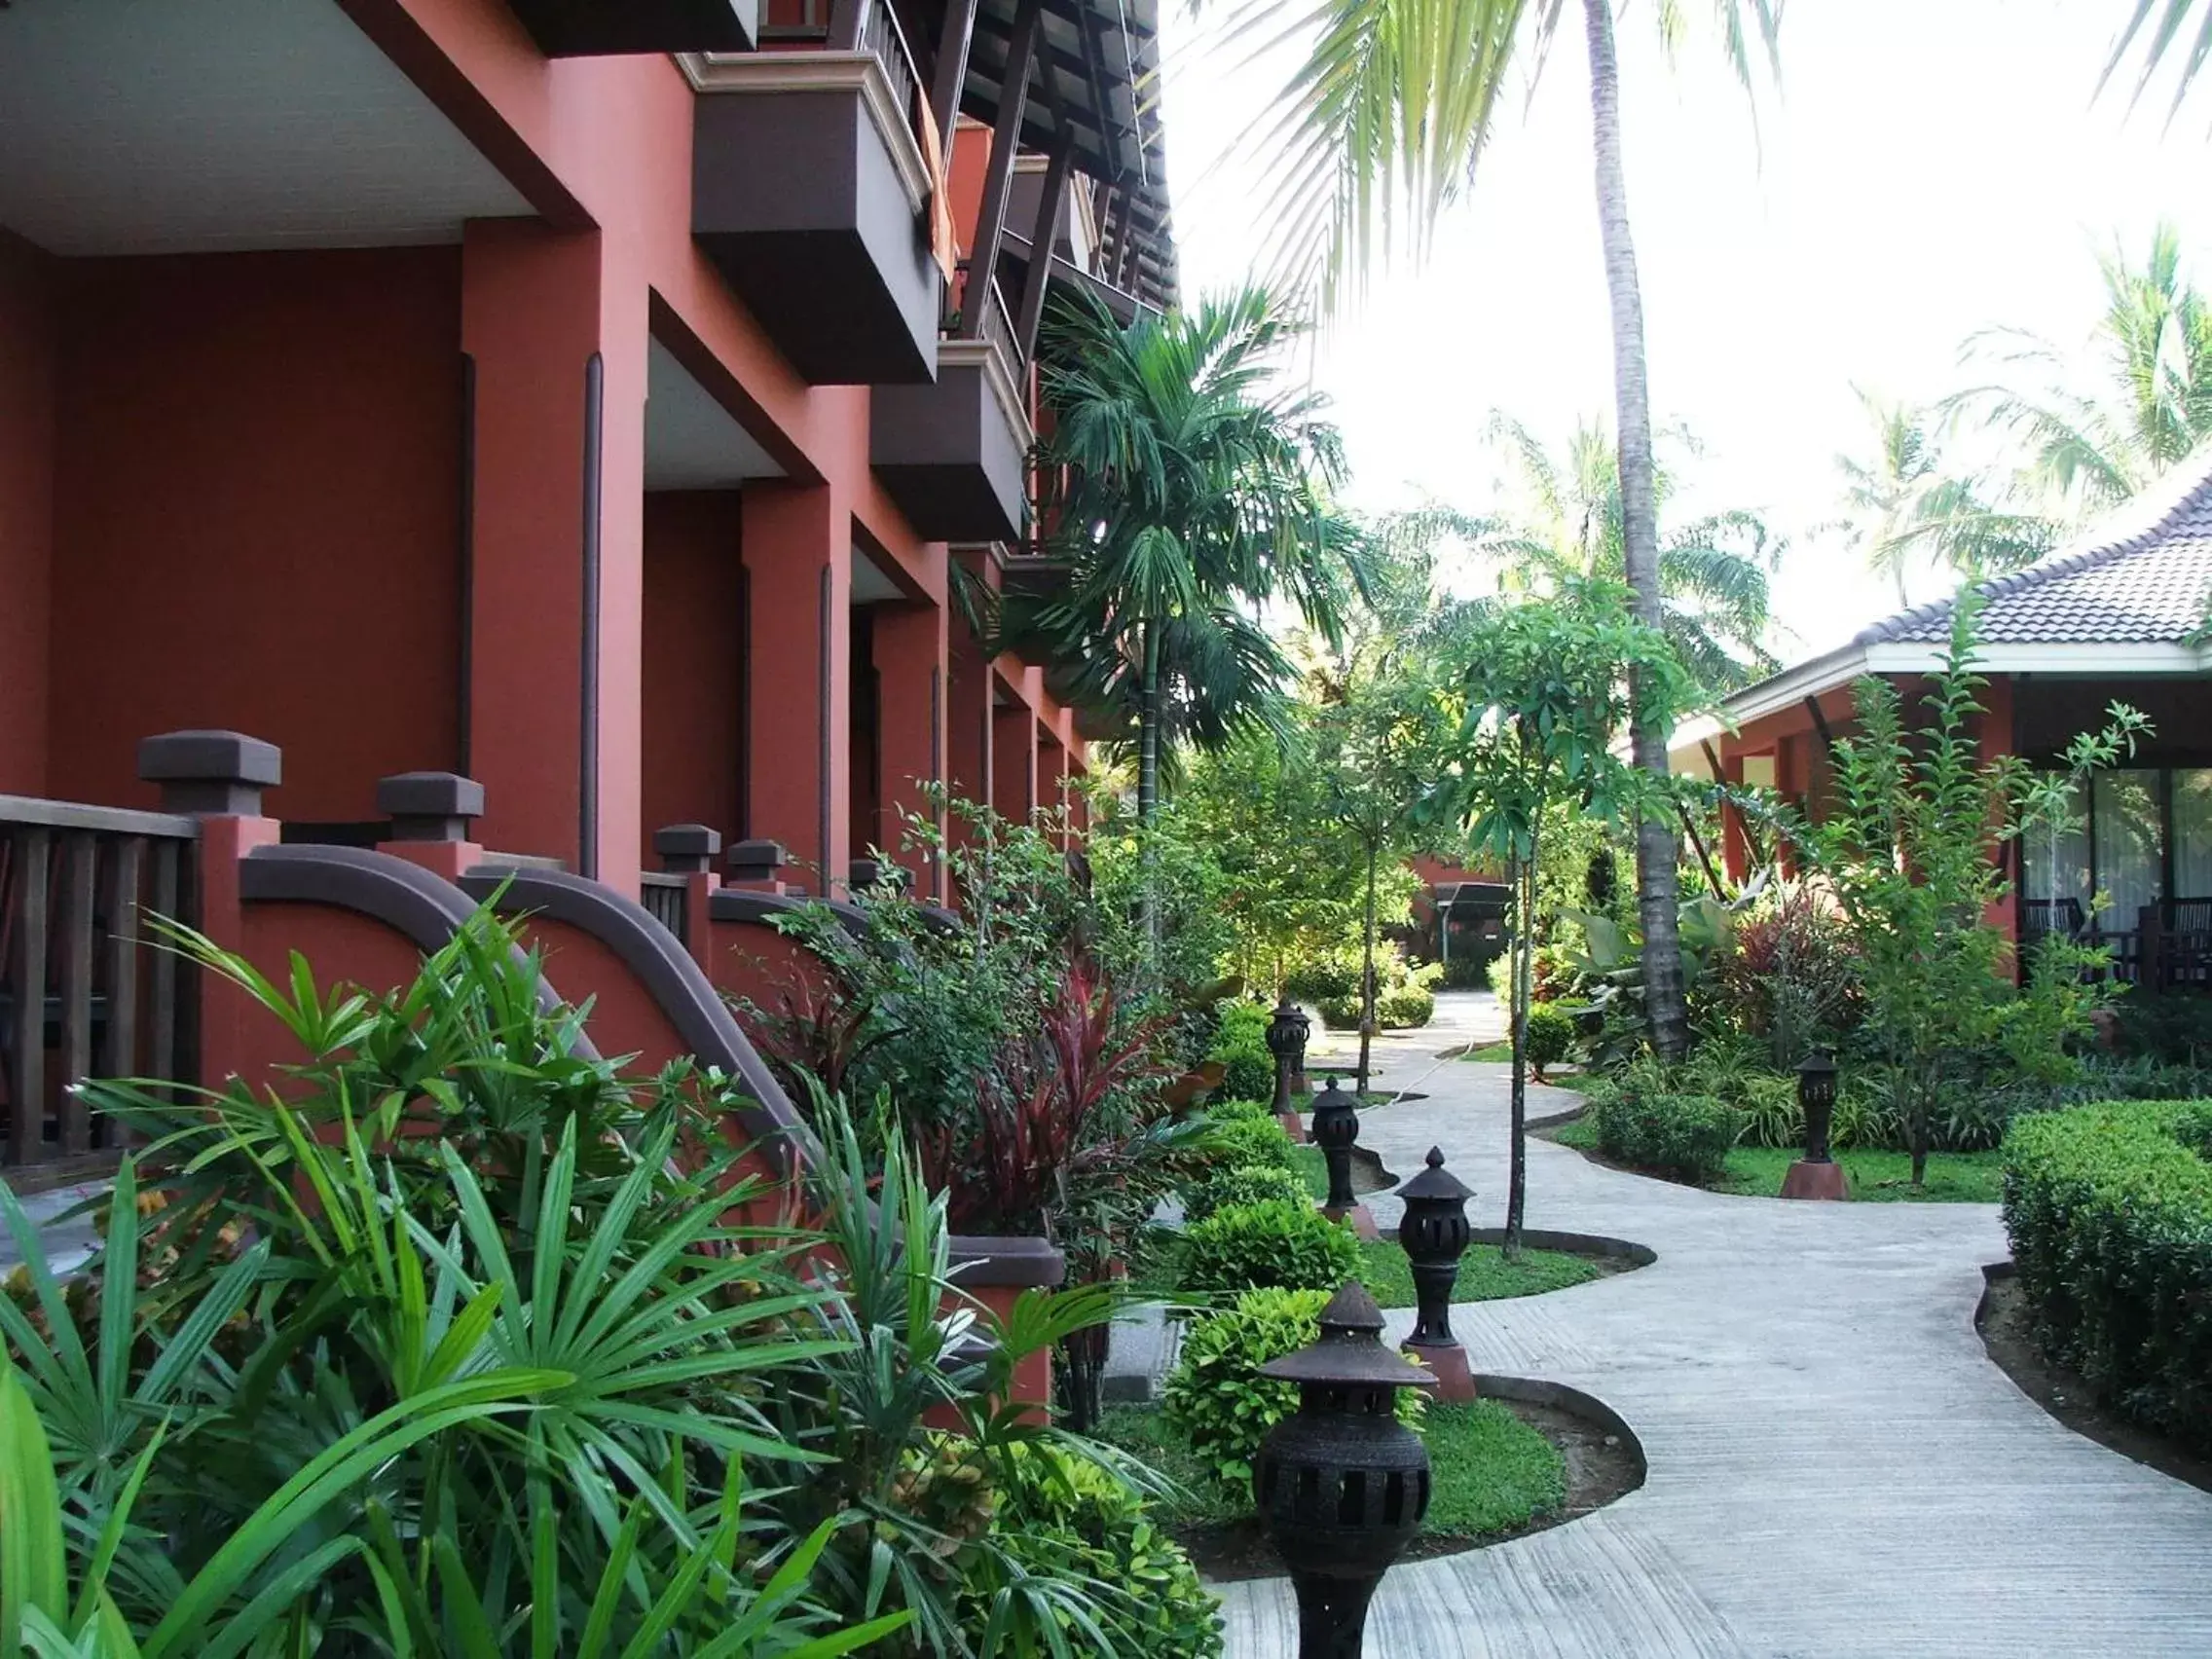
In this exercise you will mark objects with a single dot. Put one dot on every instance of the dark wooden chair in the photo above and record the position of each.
(2042, 917)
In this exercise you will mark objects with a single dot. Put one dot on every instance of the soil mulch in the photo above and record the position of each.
(2006, 1326)
(1599, 1467)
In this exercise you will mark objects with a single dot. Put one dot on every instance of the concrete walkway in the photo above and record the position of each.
(1836, 1466)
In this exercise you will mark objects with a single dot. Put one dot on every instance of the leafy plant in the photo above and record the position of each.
(1791, 974)
(1277, 1241)
(1230, 1186)
(1686, 1136)
(1241, 1045)
(446, 1345)
(1239, 1141)
(1216, 1397)
(1061, 1512)
(1551, 1036)
(2109, 1211)
(1907, 849)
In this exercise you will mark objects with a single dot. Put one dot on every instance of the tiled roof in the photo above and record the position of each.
(2140, 577)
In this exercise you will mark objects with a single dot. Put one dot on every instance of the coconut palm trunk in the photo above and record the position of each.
(1147, 778)
(1665, 1007)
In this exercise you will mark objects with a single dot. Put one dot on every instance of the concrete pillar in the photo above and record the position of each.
(798, 559)
(1014, 762)
(556, 331)
(912, 652)
(967, 725)
(1735, 845)
(1051, 775)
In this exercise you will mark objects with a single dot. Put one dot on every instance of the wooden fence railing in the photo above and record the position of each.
(84, 990)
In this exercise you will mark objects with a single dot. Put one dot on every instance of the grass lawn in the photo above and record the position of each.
(1502, 1055)
(1484, 1275)
(1309, 1164)
(1953, 1177)
(1492, 1473)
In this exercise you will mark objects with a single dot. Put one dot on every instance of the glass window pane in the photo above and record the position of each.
(2128, 844)
(2192, 834)
(2054, 864)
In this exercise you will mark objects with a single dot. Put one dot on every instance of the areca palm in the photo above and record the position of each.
(1380, 131)
(1187, 493)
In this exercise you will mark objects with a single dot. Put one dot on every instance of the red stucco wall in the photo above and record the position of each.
(26, 512)
(694, 661)
(256, 516)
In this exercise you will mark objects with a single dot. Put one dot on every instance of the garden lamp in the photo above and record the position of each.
(1335, 1130)
(1817, 1175)
(1286, 1041)
(1341, 1485)
(1434, 1234)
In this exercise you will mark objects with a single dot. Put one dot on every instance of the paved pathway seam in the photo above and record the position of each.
(1837, 1468)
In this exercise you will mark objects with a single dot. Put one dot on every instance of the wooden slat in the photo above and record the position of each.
(162, 992)
(119, 1048)
(26, 1087)
(79, 856)
(118, 1053)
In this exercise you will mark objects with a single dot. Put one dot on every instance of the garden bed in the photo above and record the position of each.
(1876, 1176)
(1502, 1468)
(2006, 1320)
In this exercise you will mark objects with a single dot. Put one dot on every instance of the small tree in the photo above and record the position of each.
(1379, 747)
(1545, 687)
(1910, 848)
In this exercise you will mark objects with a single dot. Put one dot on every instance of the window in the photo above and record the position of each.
(2192, 834)
(2126, 828)
(2054, 857)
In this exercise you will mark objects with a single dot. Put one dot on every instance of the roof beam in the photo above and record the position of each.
(997, 177)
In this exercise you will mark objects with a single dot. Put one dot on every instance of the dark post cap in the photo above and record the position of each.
(753, 861)
(430, 806)
(217, 774)
(1436, 1181)
(687, 849)
(1349, 1352)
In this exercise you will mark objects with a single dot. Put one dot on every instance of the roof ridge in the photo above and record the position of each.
(2179, 490)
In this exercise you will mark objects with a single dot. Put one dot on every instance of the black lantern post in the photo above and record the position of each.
(1817, 1175)
(1286, 1041)
(1434, 1234)
(1341, 1484)
(1335, 1130)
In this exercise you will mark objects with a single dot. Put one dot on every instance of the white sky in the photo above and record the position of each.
(1930, 167)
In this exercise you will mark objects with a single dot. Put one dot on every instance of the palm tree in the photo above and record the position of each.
(1903, 510)
(1380, 128)
(2163, 37)
(1567, 527)
(2090, 449)
(1187, 494)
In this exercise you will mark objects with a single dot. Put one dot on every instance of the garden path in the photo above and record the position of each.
(1836, 1466)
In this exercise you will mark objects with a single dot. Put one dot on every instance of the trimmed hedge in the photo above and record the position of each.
(1281, 1242)
(1686, 1136)
(2109, 1210)
(1241, 1045)
(1227, 1186)
(1243, 1139)
(1551, 1035)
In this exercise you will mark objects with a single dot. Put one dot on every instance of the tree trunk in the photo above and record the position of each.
(1523, 979)
(1367, 975)
(1664, 1006)
(1148, 782)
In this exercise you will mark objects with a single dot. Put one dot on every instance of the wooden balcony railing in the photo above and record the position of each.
(789, 25)
(84, 991)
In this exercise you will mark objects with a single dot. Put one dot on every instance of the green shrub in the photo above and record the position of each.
(1684, 1135)
(1276, 1242)
(1405, 1007)
(1244, 1140)
(1230, 1186)
(1222, 1111)
(2110, 1215)
(1551, 1034)
(1062, 1517)
(1216, 1397)
(1335, 975)
(1240, 1046)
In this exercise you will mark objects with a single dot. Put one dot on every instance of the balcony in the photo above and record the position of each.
(593, 28)
(808, 188)
(955, 456)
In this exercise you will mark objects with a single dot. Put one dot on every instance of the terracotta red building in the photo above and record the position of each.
(2118, 616)
(585, 402)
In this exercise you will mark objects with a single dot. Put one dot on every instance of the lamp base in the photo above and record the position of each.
(1293, 1125)
(1454, 1382)
(1808, 1180)
(1362, 1224)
